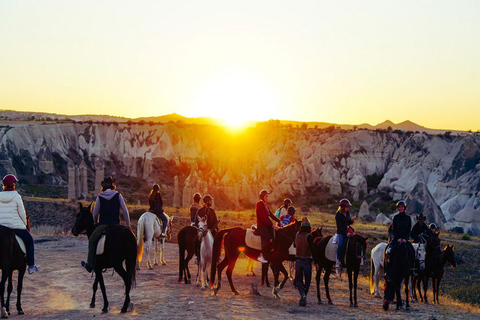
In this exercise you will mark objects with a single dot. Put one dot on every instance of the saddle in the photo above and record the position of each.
(101, 242)
(331, 250)
(21, 244)
(253, 240)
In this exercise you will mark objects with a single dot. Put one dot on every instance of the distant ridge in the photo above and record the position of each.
(11, 115)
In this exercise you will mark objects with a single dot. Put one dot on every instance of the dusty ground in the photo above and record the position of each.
(62, 290)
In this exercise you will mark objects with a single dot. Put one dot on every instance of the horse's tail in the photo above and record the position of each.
(217, 246)
(131, 259)
(181, 253)
(372, 273)
(140, 236)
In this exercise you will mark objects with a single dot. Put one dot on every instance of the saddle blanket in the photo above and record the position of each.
(101, 245)
(331, 250)
(21, 244)
(253, 241)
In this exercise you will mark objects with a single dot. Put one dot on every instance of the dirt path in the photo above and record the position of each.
(62, 290)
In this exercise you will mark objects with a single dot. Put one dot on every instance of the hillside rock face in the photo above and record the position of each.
(439, 175)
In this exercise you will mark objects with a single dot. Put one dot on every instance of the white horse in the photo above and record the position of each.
(377, 269)
(148, 230)
(206, 251)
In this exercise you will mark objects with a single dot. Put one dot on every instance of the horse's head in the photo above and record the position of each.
(420, 255)
(360, 245)
(389, 294)
(317, 233)
(83, 220)
(450, 255)
(202, 226)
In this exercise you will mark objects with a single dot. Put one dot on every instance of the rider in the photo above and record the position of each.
(12, 215)
(156, 206)
(105, 213)
(289, 216)
(194, 207)
(420, 229)
(401, 226)
(282, 210)
(343, 221)
(264, 225)
(304, 255)
(212, 221)
(433, 228)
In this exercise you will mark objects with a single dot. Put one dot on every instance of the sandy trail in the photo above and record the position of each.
(62, 290)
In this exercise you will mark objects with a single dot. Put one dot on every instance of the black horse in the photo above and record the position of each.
(11, 258)
(356, 247)
(440, 258)
(120, 246)
(186, 242)
(399, 271)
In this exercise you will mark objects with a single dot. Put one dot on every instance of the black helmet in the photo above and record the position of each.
(156, 186)
(287, 201)
(263, 193)
(402, 203)
(207, 197)
(291, 210)
(197, 197)
(345, 203)
(432, 226)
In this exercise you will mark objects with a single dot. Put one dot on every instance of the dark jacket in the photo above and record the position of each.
(107, 208)
(419, 229)
(263, 213)
(156, 203)
(212, 220)
(401, 226)
(193, 210)
(342, 222)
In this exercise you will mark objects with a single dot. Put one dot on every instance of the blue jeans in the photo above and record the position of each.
(28, 240)
(303, 269)
(340, 238)
(161, 215)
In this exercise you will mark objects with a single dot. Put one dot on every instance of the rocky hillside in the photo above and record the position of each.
(437, 174)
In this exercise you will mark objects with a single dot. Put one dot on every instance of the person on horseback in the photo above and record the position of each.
(156, 206)
(432, 228)
(420, 229)
(105, 213)
(212, 222)
(194, 207)
(264, 225)
(13, 216)
(304, 255)
(283, 209)
(343, 221)
(401, 228)
(289, 216)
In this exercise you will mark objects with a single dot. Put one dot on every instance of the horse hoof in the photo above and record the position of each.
(378, 296)
(203, 288)
(150, 268)
(236, 293)
(355, 305)
(407, 309)
(92, 305)
(20, 312)
(351, 305)
(105, 310)
(319, 302)
(330, 303)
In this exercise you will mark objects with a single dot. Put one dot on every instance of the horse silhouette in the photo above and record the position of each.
(399, 271)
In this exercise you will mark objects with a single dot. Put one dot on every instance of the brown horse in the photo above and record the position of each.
(120, 246)
(186, 241)
(234, 242)
(355, 254)
(440, 258)
(11, 258)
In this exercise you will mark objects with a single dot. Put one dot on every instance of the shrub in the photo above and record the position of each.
(465, 237)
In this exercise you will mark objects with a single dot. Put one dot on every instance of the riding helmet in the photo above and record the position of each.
(207, 197)
(345, 203)
(197, 197)
(9, 180)
(263, 193)
(287, 201)
(291, 210)
(432, 226)
(156, 186)
(402, 203)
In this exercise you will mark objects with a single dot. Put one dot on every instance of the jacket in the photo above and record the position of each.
(12, 211)
(111, 211)
(212, 220)
(342, 222)
(263, 213)
(304, 247)
(401, 226)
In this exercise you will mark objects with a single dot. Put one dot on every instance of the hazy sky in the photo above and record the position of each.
(332, 61)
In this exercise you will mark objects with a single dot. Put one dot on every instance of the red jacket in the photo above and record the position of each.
(263, 212)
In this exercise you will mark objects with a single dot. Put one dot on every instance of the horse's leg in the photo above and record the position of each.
(434, 288)
(156, 259)
(229, 272)
(291, 268)
(326, 277)
(98, 274)
(220, 268)
(21, 274)
(2, 293)
(9, 292)
(425, 287)
(407, 292)
(317, 278)
(149, 249)
(355, 286)
(162, 252)
(94, 287)
(126, 280)
(285, 275)
(350, 285)
(188, 277)
(265, 274)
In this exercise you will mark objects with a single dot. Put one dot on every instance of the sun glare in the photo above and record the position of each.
(235, 97)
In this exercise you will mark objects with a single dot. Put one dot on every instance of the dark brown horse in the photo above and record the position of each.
(440, 258)
(11, 258)
(186, 241)
(234, 242)
(120, 246)
(355, 255)
(399, 271)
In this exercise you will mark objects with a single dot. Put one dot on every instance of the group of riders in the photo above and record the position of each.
(109, 202)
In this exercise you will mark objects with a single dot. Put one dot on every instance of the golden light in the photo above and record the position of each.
(235, 97)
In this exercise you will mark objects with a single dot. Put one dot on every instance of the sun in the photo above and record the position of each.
(236, 97)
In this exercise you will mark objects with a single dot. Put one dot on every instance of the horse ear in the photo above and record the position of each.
(90, 206)
(80, 206)
(366, 238)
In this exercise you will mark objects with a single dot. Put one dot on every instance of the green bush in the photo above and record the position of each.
(465, 237)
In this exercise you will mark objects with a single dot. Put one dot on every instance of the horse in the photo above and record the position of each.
(399, 271)
(377, 268)
(432, 244)
(120, 246)
(11, 258)
(234, 243)
(355, 255)
(439, 261)
(186, 241)
(149, 230)
(206, 247)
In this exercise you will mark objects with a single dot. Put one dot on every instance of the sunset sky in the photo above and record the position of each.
(346, 62)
